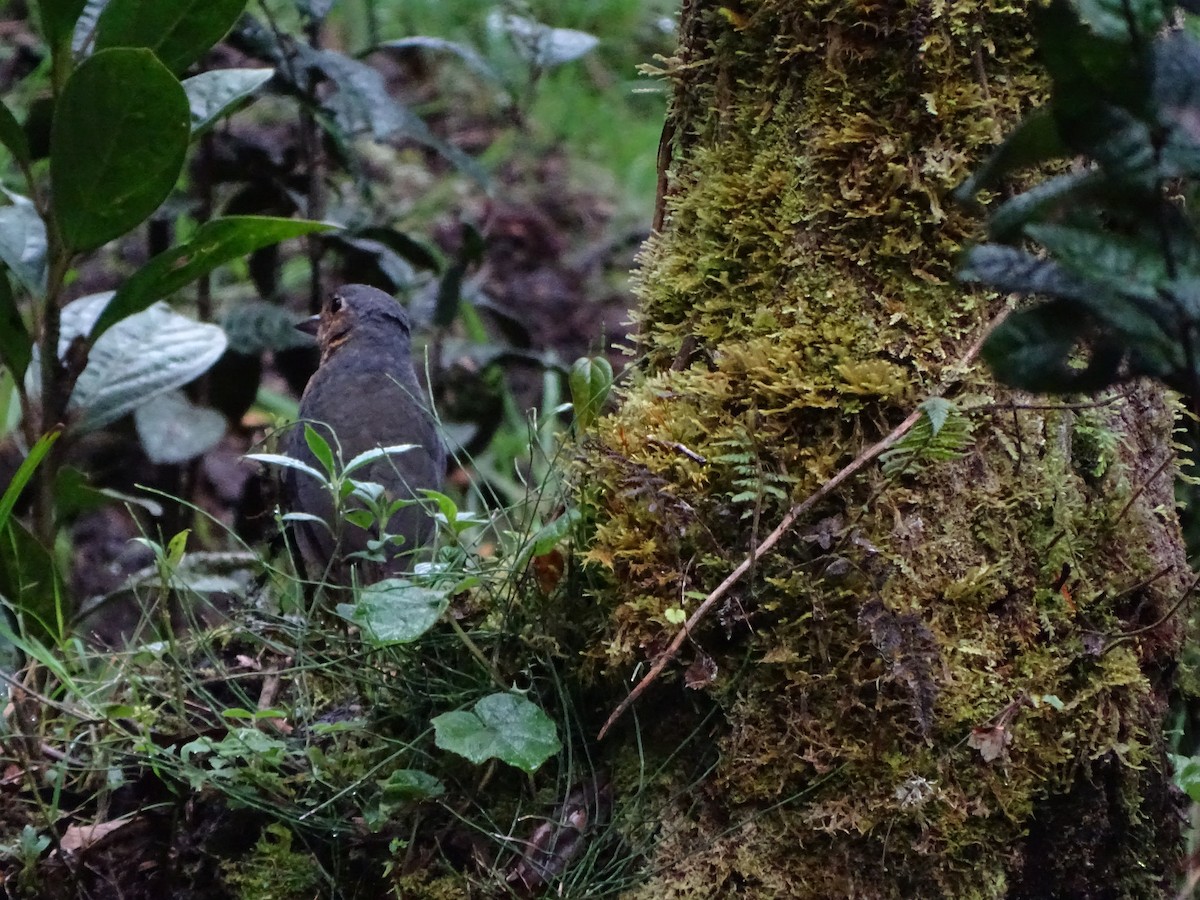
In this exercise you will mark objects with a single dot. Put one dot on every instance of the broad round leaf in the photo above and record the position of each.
(502, 726)
(116, 147)
(179, 32)
(395, 611)
(141, 356)
(173, 430)
(217, 93)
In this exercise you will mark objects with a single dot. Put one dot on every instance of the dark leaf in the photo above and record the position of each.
(468, 55)
(1032, 348)
(12, 136)
(215, 242)
(178, 32)
(115, 153)
(449, 293)
(1122, 20)
(16, 347)
(29, 581)
(58, 21)
(1042, 201)
(1034, 141)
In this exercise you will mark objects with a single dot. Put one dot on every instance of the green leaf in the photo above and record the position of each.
(449, 294)
(25, 472)
(179, 32)
(501, 726)
(58, 18)
(1031, 350)
(16, 346)
(286, 462)
(1176, 99)
(30, 582)
(23, 243)
(1043, 201)
(410, 786)
(395, 611)
(219, 92)
(319, 447)
(12, 136)
(115, 151)
(215, 242)
(937, 410)
(590, 381)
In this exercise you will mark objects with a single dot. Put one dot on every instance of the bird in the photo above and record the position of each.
(363, 395)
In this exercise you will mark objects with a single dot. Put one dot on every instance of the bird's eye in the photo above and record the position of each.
(335, 303)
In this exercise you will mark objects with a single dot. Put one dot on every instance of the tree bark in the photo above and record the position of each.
(930, 687)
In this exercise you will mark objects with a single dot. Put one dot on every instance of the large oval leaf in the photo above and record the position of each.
(179, 32)
(142, 356)
(116, 147)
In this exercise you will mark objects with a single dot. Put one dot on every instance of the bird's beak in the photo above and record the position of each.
(309, 325)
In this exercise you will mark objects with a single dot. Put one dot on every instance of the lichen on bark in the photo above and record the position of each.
(929, 670)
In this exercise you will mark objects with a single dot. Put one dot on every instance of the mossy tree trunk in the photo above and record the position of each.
(927, 688)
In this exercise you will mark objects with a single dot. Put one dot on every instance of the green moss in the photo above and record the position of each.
(273, 870)
(918, 674)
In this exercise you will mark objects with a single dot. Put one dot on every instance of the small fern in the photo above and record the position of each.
(942, 433)
(753, 482)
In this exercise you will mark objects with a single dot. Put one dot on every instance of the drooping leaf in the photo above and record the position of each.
(173, 430)
(179, 32)
(501, 726)
(16, 346)
(30, 582)
(23, 243)
(115, 153)
(215, 242)
(219, 92)
(395, 611)
(1122, 20)
(12, 136)
(1043, 201)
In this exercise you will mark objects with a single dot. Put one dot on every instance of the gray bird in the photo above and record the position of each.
(366, 393)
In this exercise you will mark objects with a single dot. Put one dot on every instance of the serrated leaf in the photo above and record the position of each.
(219, 92)
(23, 243)
(216, 242)
(395, 611)
(115, 153)
(179, 32)
(937, 410)
(502, 726)
(173, 430)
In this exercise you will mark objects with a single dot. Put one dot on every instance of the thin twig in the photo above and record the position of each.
(859, 462)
